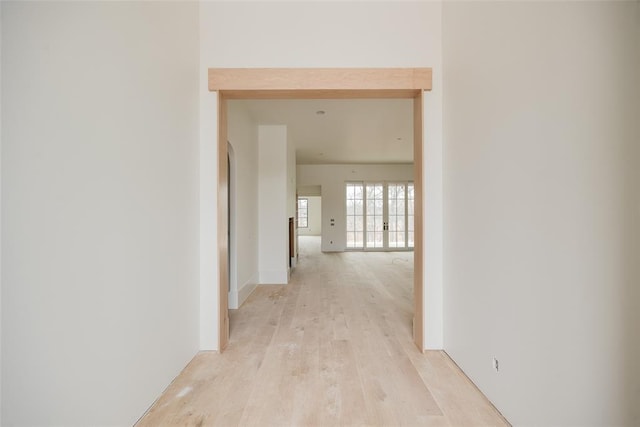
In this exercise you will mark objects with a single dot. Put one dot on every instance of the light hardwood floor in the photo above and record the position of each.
(331, 348)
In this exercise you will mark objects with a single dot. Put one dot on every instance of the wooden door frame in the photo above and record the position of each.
(319, 83)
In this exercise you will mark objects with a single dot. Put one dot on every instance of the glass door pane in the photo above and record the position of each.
(374, 215)
(355, 215)
(396, 200)
(410, 216)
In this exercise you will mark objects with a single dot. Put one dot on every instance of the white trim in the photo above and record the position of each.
(246, 290)
(239, 296)
(274, 277)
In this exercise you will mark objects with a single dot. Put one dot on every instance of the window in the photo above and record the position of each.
(380, 215)
(303, 212)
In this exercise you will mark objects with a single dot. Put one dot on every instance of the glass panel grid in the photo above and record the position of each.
(396, 203)
(375, 204)
(355, 214)
(365, 215)
(410, 215)
(303, 213)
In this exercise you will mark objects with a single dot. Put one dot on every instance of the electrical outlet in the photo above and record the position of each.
(495, 364)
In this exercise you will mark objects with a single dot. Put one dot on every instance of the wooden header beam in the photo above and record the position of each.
(277, 83)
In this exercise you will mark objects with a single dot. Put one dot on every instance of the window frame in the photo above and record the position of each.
(306, 213)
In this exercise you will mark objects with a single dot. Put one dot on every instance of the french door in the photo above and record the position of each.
(379, 215)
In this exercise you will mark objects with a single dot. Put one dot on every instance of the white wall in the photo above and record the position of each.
(273, 222)
(332, 178)
(291, 194)
(314, 217)
(99, 208)
(243, 136)
(0, 214)
(315, 34)
(542, 207)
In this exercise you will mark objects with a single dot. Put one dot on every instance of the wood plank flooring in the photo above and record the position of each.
(332, 348)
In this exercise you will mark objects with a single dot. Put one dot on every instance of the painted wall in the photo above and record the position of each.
(542, 207)
(291, 194)
(99, 208)
(243, 136)
(0, 216)
(273, 228)
(320, 34)
(314, 217)
(332, 178)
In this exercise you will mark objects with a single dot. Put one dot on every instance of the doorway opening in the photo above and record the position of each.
(318, 84)
(310, 211)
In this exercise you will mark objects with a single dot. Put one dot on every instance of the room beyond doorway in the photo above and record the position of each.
(339, 141)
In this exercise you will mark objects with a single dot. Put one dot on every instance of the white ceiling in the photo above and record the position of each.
(350, 131)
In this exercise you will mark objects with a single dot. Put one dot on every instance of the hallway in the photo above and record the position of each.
(333, 347)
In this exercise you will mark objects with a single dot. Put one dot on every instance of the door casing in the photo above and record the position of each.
(318, 83)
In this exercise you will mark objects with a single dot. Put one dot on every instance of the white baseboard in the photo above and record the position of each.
(238, 297)
(274, 277)
(246, 290)
(233, 300)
